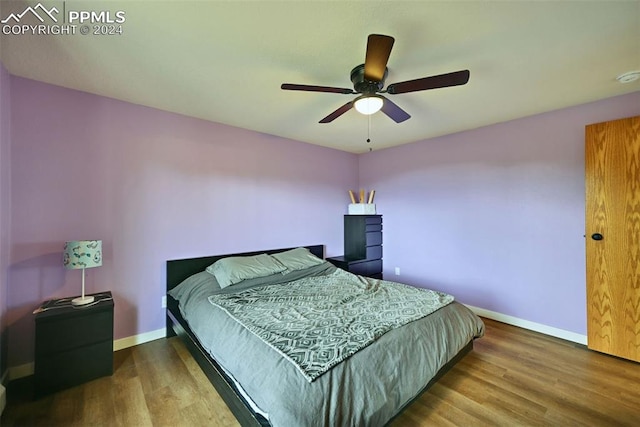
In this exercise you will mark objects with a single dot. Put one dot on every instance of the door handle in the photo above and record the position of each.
(597, 236)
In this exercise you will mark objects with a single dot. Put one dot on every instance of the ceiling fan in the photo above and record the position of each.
(368, 81)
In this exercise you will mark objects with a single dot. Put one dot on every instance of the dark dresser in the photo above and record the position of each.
(362, 246)
(73, 344)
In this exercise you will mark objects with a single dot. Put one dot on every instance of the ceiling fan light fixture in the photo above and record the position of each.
(368, 104)
(628, 77)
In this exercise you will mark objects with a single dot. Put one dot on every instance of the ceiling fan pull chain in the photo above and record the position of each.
(369, 131)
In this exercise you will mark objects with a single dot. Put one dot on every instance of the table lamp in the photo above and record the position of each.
(81, 254)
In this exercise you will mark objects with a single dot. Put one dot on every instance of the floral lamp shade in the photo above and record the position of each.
(81, 254)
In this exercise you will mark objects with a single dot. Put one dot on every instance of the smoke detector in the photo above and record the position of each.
(628, 77)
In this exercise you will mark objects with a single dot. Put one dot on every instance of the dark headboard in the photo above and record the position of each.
(180, 269)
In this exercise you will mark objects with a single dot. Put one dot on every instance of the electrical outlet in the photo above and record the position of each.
(397, 271)
(164, 301)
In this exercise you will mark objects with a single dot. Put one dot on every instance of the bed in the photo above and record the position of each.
(270, 383)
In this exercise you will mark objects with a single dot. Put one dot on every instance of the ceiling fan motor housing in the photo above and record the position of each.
(361, 85)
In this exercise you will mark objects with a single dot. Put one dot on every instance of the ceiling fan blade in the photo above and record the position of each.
(310, 88)
(378, 51)
(340, 111)
(396, 113)
(456, 78)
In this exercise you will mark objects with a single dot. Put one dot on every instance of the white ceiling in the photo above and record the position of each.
(224, 61)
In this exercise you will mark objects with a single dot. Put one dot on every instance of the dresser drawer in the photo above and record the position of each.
(373, 220)
(373, 252)
(373, 227)
(366, 268)
(373, 238)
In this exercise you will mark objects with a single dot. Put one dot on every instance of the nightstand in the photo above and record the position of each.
(73, 344)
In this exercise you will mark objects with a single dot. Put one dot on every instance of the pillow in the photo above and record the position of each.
(231, 270)
(193, 286)
(297, 259)
(279, 278)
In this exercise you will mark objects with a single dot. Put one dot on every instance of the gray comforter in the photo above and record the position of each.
(366, 389)
(317, 322)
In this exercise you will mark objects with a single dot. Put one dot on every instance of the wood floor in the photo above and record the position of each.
(513, 377)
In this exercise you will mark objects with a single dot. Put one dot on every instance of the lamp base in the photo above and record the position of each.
(82, 300)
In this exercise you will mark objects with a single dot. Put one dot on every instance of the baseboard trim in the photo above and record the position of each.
(3, 398)
(20, 371)
(532, 326)
(139, 339)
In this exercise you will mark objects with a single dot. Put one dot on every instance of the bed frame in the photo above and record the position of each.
(179, 270)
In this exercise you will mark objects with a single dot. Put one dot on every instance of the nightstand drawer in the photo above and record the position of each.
(69, 368)
(54, 336)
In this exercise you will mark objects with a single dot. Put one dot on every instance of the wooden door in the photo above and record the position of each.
(612, 175)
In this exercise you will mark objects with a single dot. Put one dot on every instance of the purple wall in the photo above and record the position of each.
(494, 216)
(5, 208)
(153, 186)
